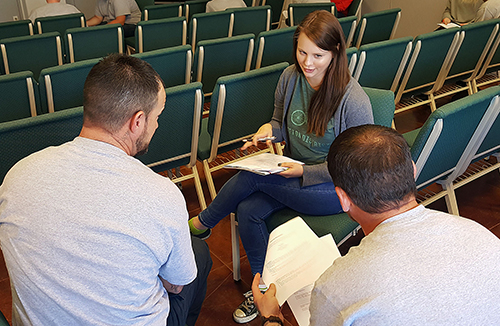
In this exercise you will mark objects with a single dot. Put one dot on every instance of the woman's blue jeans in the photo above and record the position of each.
(254, 197)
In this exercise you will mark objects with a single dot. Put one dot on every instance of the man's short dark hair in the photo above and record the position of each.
(118, 87)
(373, 165)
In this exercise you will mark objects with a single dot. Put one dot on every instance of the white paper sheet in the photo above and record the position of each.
(295, 258)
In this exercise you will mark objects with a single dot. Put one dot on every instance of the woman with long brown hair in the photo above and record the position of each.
(315, 100)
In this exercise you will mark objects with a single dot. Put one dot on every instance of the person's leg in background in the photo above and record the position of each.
(185, 306)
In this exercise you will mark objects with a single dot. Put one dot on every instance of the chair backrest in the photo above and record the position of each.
(16, 28)
(355, 8)
(144, 3)
(275, 46)
(297, 11)
(492, 61)
(175, 142)
(172, 64)
(251, 20)
(222, 57)
(59, 23)
(240, 104)
(348, 25)
(32, 53)
(23, 137)
(18, 96)
(491, 142)
(61, 87)
(169, 10)
(94, 42)
(381, 64)
(383, 106)
(477, 42)
(160, 33)
(377, 26)
(450, 135)
(430, 60)
(211, 25)
(276, 9)
(352, 58)
(193, 7)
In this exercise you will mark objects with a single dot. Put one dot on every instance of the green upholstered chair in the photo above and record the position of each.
(18, 96)
(32, 53)
(479, 37)
(168, 10)
(339, 225)
(381, 64)
(276, 9)
(59, 23)
(432, 55)
(210, 25)
(352, 58)
(193, 7)
(240, 104)
(172, 64)
(144, 3)
(377, 26)
(275, 46)
(94, 42)
(491, 65)
(222, 57)
(3, 320)
(61, 87)
(23, 137)
(355, 8)
(348, 25)
(160, 33)
(16, 28)
(297, 11)
(175, 142)
(445, 145)
(251, 20)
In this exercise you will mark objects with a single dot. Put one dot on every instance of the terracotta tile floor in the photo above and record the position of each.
(479, 200)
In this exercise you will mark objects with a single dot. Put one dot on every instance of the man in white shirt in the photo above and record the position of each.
(53, 8)
(221, 5)
(490, 9)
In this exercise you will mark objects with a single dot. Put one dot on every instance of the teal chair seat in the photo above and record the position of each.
(18, 96)
(169, 10)
(275, 46)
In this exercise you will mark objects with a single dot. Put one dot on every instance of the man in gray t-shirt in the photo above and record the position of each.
(92, 236)
(124, 12)
(415, 266)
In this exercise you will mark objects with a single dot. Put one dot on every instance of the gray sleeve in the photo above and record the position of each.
(99, 10)
(321, 309)
(447, 11)
(122, 7)
(282, 96)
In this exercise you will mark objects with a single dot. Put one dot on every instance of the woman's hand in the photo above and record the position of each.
(295, 170)
(446, 20)
(266, 130)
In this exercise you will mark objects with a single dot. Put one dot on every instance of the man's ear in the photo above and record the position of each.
(414, 170)
(345, 201)
(137, 123)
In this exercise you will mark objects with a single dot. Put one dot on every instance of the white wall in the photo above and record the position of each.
(417, 16)
(9, 9)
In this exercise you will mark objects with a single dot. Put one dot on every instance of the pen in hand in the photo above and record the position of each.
(260, 139)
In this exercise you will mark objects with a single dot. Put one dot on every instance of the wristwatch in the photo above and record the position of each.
(272, 319)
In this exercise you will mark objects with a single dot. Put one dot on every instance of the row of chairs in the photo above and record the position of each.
(430, 66)
(61, 87)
